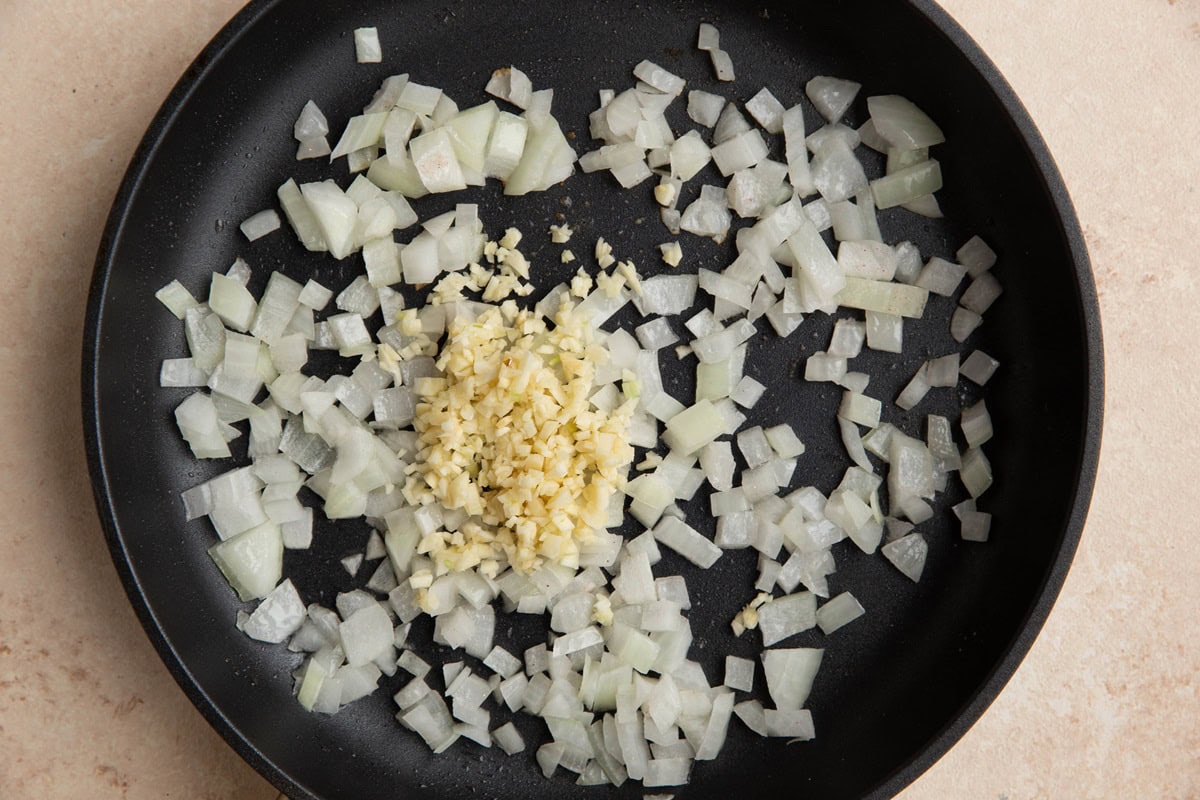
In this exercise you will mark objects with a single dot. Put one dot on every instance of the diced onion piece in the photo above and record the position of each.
(900, 159)
(979, 367)
(366, 46)
(278, 616)
(982, 292)
(505, 145)
(885, 332)
(787, 616)
(882, 297)
(546, 160)
(824, 367)
(259, 225)
(365, 130)
(963, 323)
(870, 137)
(200, 427)
(976, 256)
(631, 174)
(907, 185)
(722, 64)
(709, 37)
(704, 108)
(301, 217)
(742, 151)
(766, 110)
(310, 124)
(689, 155)
(181, 373)
(836, 172)
(335, 214)
(815, 269)
(252, 561)
(748, 392)
(176, 298)
(940, 440)
(730, 124)
(659, 78)
(902, 124)
(471, 130)
(508, 739)
(790, 674)
(942, 371)
(838, 612)
(847, 340)
(421, 100)
(866, 259)
(941, 276)
(708, 215)
(926, 205)
(976, 424)
(910, 476)
(798, 724)
(908, 555)
(687, 541)
(860, 409)
(436, 162)
(230, 300)
(512, 85)
(832, 97)
(796, 151)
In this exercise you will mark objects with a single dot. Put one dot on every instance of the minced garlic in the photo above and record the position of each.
(747, 618)
(604, 256)
(602, 612)
(507, 434)
(672, 253)
(560, 234)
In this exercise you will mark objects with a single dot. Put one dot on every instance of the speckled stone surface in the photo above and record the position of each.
(1105, 706)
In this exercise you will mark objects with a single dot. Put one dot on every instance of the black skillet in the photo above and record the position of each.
(898, 687)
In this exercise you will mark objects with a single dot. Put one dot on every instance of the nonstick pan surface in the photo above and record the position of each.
(898, 687)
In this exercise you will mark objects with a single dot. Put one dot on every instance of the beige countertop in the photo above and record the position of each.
(1106, 704)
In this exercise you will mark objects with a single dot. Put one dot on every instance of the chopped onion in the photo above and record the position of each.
(907, 185)
(838, 612)
(832, 97)
(979, 367)
(366, 46)
(908, 555)
(260, 224)
(790, 675)
(704, 108)
(722, 64)
(963, 324)
(659, 78)
(976, 424)
(976, 256)
(902, 124)
(739, 152)
(982, 292)
(836, 172)
(616, 688)
(766, 110)
(689, 154)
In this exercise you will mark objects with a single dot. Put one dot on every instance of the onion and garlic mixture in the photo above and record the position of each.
(488, 446)
(508, 436)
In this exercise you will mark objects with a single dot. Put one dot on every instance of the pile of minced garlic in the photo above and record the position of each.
(508, 436)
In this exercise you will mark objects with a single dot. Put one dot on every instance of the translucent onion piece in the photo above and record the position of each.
(902, 124)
